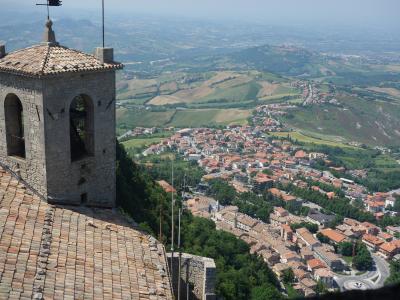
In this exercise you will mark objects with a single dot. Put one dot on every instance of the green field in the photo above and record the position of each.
(128, 118)
(300, 137)
(141, 143)
(209, 117)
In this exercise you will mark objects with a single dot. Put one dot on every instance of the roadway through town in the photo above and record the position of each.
(370, 280)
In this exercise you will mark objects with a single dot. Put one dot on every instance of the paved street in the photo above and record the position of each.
(369, 280)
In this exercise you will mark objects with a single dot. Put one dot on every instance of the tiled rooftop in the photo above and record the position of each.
(54, 252)
(45, 60)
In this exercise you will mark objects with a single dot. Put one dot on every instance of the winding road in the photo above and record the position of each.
(370, 280)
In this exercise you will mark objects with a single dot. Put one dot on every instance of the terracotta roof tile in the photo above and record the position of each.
(55, 252)
(334, 235)
(45, 60)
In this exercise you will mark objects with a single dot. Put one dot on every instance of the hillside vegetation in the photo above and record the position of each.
(240, 276)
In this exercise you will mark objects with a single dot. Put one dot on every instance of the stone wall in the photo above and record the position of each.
(197, 277)
(47, 167)
(93, 175)
(32, 168)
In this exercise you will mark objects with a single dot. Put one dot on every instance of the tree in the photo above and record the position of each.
(288, 276)
(265, 292)
(321, 288)
(240, 275)
(222, 191)
(346, 248)
(362, 261)
(394, 277)
(313, 228)
(322, 238)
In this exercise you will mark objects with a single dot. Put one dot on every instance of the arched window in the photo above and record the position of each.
(81, 127)
(14, 118)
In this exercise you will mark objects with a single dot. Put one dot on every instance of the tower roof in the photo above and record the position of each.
(49, 59)
(52, 59)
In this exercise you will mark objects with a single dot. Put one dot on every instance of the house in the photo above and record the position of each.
(281, 212)
(390, 201)
(262, 183)
(385, 236)
(370, 228)
(286, 232)
(309, 283)
(331, 259)
(270, 257)
(351, 222)
(307, 238)
(325, 276)
(290, 256)
(334, 236)
(306, 253)
(375, 206)
(372, 241)
(245, 222)
(393, 230)
(330, 195)
(319, 218)
(390, 249)
(166, 186)
(314, 264)
(300, 274)
(279, 268)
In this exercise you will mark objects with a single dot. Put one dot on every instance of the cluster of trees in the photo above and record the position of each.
(185, 173)
(378, 179)
(339, 205)
(394, 277)
(240, 275)
(362, 260)
(313, 228)
(256, 206)
(326, 187)
(346, 248)
(222, 191)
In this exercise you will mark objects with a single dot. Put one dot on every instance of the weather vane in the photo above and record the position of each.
(51, 3)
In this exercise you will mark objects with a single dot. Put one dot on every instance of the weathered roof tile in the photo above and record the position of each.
(57, 252)
(47, 59)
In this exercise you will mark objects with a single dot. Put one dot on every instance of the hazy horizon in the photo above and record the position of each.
(360, 13)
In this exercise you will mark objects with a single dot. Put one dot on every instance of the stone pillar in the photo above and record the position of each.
(210, 274)
(2, 51)
(105, 55)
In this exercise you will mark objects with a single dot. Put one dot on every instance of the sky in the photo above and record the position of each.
(314, 12)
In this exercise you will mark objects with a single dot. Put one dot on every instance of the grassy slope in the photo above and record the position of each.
(369, 122)
(309, 139)
(181, 118)
(139, 143)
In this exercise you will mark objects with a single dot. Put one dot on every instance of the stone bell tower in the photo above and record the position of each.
(57, 121)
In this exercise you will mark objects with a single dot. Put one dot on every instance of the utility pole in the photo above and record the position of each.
(180, 254)
(179, 240)
(172, 219)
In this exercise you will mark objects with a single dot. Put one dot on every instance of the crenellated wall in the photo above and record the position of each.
(197, 277)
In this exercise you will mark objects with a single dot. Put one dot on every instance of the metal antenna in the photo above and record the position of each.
(103, 23)
(48, 4)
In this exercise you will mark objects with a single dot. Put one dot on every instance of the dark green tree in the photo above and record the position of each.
(288, 276)
(346, 248)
